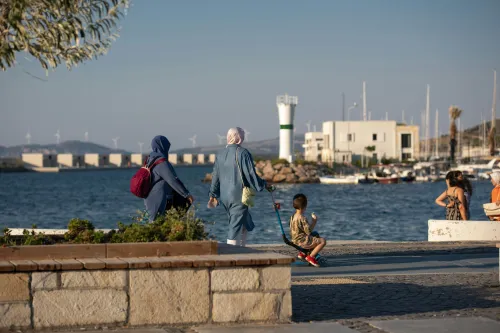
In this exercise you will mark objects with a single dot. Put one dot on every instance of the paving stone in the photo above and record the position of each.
(276, 277)
(233, 279)
(15, 315)
(244, 307)
(43, 280)
(170, 296)
(293, 328)
(70, 308)
(441, 325)
(14, 287)
(94, 279)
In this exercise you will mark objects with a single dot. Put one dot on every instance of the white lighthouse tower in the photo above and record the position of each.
(286, 111)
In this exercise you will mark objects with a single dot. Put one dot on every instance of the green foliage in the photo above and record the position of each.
(279, 161)
(304, 162)
(370, 148)
(173, 226)
(387, 161)
(56, 31)
(28, 238)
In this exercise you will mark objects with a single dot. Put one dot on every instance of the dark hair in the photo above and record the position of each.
(451, 176)
(299, 201)
(464, 183)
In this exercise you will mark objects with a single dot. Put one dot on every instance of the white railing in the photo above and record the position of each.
(285, 99)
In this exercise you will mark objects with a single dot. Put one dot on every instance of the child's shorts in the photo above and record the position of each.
(311, 242)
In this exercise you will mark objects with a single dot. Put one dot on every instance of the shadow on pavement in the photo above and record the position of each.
(349, 301)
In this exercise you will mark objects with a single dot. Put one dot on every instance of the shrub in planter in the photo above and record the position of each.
(173, 226)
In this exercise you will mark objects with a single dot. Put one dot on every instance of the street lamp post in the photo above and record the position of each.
(355, 105)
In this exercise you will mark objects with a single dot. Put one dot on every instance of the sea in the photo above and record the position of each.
(393, 212)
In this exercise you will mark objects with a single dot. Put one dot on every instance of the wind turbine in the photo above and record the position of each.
(308, 124)
(58, 137)
(140, 146)
(28, 138)
(115, 141)
(86, 137)
(247, 135)
(221, 139)
(193, 140)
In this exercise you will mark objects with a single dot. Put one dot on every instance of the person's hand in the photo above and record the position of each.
(498, 202)
(450, 205)
(212, 203)
(270, 187)
(314, 217)
(190, 198)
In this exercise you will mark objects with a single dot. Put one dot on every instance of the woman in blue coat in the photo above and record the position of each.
(164, 180)
(227, 185)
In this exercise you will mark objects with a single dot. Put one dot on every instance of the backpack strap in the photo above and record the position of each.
(161, 160)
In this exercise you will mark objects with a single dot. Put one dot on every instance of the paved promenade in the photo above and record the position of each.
(389, 288)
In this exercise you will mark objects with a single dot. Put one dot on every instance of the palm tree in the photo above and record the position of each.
(491, 135)
(58, 31)
(455, 113)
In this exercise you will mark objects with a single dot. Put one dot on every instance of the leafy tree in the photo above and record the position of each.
(58, 31)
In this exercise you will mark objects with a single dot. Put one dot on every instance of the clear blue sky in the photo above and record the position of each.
(199, 67)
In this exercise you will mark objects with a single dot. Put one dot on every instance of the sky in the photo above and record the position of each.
(190, 67)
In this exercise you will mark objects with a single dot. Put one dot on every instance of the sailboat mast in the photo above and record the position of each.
(427, 127)
(494, 106)
(436, 133)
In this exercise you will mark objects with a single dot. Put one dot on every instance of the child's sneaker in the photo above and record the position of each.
(301, 256)
(312, 261)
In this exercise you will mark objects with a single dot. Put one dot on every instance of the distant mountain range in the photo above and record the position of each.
(262, 148)
(70, 147)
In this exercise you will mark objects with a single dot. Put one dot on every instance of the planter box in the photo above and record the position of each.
(142, 284)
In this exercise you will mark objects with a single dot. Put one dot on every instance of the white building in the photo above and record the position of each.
(313, 146)
(345, 141)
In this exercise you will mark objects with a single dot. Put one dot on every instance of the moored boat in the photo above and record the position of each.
(349, 180)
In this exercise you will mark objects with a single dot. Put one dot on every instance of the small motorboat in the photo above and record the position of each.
(332, 180)
(383, 178)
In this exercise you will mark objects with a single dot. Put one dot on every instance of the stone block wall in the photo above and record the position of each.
(180, 291)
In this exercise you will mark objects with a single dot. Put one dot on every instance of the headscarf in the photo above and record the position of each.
(160, 146)
(495, 176)
(235, 136)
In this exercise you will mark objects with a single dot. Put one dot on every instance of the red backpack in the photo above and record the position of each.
(140, 184)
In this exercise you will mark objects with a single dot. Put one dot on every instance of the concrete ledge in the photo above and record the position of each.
(109, 250)
(446, 231)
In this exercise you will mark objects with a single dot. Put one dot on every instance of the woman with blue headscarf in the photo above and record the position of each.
(234, 169)
(164, 181)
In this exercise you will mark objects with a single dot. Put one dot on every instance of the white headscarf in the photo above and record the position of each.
(495, 176)
(235, 136)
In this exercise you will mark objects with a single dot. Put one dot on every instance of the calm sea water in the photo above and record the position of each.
(361, 212)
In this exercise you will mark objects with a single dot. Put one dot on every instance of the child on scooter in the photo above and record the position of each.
(302, 231)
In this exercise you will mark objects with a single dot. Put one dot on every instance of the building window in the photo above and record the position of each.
(406, 156)
(351, 137)
(374, 137)
(405, 140)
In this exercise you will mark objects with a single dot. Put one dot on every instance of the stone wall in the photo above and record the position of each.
(213, 289)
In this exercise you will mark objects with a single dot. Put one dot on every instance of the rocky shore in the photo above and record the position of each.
(283, 172)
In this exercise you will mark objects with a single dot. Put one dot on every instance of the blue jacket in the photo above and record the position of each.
(227, 186)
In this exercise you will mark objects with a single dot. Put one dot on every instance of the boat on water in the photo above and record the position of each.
(332, 180)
